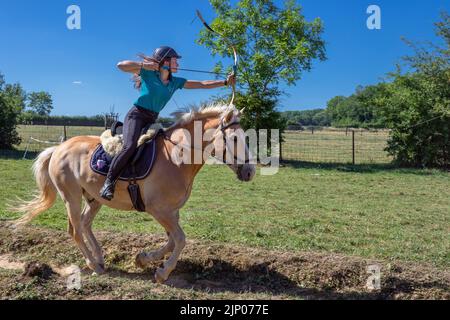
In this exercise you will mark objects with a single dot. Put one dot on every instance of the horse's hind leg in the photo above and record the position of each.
(70, 228)
(170, 222)
(90, 210)
(72, 199)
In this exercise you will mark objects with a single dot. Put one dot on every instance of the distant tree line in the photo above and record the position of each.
(13, 101)
(359, 110)
(33, 119)
(89, 121)
(296, 120)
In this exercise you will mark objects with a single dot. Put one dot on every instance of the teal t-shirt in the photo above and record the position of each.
(154, 94)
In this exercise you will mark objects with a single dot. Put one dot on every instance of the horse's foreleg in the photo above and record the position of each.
(91, 208)
(179, 238)
(170, 223)
(144, 258)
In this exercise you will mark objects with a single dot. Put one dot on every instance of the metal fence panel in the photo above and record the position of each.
(336, 146)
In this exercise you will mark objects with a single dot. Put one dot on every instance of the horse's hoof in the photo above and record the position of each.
(99, 271)
(96, 267)
(159, 276)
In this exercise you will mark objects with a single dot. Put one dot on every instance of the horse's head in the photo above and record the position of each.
(221, 126)
(235, 152)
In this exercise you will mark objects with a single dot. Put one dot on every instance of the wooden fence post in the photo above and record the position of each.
(281, 148)
(353, 147)
(65, 133)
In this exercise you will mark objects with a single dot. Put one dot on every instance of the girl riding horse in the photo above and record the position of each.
(65, 169)
(153, 77)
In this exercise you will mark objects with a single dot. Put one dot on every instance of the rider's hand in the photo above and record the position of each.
(231, 80)
(150, 65)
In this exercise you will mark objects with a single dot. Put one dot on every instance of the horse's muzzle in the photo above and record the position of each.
(246, 172)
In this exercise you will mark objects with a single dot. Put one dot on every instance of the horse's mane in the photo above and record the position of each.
(186, 117)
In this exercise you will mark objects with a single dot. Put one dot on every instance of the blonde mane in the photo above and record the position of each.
(213, 110)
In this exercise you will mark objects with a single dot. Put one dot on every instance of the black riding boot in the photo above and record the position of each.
(107, 192)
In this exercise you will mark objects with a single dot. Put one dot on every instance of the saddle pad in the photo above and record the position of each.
(100, 162)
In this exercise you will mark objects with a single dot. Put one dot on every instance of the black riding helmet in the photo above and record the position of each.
(164, 52)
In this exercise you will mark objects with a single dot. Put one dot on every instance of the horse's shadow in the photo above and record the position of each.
(221, 276)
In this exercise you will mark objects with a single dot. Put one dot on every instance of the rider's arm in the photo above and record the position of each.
(135, 67)
(207, 84)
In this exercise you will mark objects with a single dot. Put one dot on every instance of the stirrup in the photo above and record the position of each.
(107, 191)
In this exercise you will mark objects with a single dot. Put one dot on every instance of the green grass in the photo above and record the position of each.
(369, 211)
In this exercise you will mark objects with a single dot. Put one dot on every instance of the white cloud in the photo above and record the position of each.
(77, 82)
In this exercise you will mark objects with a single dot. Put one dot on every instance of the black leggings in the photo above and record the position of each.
(135, 120)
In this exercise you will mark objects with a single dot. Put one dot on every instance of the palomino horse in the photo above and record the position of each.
(65, 169)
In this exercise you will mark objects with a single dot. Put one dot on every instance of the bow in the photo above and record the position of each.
(228, 43)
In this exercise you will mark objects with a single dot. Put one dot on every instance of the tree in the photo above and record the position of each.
(12, 103)
(2, 81)
(314, 117)
(334, 109)
(417, 105)
(358, 110)
(40, 103)
(274, 44)
(322, 119)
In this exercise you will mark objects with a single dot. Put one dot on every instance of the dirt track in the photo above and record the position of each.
(205, 271)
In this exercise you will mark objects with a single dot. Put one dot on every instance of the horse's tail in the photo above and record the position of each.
(46, 194)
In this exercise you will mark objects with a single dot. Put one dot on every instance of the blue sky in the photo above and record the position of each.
(38, 50)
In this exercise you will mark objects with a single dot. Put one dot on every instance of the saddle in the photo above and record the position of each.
(140, 165)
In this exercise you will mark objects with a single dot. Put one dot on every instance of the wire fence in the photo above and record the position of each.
(35, 138)
(324, 145)
(329, 145)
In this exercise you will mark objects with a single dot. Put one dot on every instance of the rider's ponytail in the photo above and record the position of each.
(137, 81)
(137, 78)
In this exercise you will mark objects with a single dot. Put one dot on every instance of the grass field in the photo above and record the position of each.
(309, 231)
(371, 211)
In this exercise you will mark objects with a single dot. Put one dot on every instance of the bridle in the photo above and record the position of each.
(222, 129)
